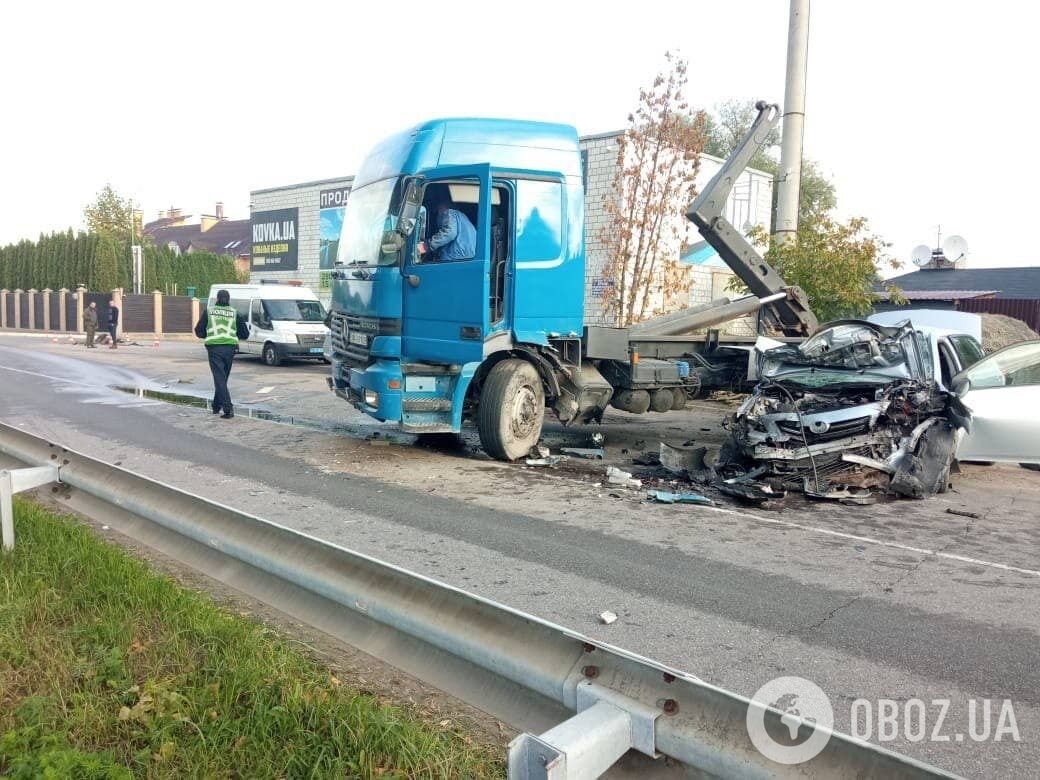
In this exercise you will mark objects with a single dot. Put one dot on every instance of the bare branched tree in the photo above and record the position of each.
(657, 162)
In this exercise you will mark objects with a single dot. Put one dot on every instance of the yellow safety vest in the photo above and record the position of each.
(220, 326)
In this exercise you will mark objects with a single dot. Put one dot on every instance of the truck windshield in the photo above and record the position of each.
(366, 219)
(296, 311)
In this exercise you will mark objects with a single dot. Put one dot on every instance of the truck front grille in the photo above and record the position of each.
(352, 336)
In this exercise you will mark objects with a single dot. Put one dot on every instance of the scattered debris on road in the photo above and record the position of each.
(606, 618)
(616, 476)
(589, 453)
(667, 497)
(682, 461)
(548, 461)
(963, 513)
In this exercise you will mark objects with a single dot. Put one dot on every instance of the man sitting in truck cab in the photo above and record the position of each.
(456, 238)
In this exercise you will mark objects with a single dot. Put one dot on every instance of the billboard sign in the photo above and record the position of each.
(274, 240)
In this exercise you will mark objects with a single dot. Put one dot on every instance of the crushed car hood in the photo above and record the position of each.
(852, 407)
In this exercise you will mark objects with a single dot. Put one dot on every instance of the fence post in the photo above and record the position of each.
(81, 302)
(17, 309)
(117, 299)
(31, 324)
(157, 297)
(47, 308)
(63, 296)
(194, 311)
(3, 308)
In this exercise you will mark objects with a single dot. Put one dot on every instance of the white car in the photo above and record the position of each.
(1002, 390)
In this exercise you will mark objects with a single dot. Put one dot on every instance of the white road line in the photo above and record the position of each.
(45, 376)
(878, 542)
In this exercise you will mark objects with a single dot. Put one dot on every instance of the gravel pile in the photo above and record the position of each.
(999, 331)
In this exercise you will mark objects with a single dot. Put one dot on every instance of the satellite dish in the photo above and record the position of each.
(955, 248)
(922, 255)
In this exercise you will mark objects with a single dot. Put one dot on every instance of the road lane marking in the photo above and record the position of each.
(878, 542)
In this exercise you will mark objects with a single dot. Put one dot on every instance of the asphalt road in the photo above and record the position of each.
(896, 601)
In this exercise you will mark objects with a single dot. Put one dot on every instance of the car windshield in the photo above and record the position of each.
(297, 311)
(368, 216)
(823, 377)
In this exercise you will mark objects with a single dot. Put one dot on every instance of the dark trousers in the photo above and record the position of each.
(220, 357)
(91, 330)
(112, 333)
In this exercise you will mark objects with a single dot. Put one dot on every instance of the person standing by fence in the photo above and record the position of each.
(113, 322)
(90, 323)
(222, 327)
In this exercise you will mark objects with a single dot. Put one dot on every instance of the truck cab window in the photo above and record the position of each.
(539, 220)
(450, 225)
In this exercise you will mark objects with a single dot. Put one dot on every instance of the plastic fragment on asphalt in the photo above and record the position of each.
(616, 476)
(668, 497)
(265, 390)
(606, 618)
(551, 460)
(589, 453)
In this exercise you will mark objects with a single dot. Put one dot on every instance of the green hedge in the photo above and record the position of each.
(103, 263)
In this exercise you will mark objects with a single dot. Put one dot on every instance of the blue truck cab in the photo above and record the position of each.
(425, 341)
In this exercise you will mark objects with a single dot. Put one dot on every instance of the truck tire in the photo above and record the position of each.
(270, 355)
(511, 410)
(661, 400)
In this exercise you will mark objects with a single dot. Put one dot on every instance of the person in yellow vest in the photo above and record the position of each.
(221, 326)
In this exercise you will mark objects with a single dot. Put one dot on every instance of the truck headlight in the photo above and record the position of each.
(371, 398)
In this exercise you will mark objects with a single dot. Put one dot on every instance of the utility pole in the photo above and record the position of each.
(790, 176)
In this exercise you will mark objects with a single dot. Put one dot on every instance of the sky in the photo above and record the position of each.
(913, 106)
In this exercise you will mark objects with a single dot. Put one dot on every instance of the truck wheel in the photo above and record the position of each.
(271, 356)
(511, 410)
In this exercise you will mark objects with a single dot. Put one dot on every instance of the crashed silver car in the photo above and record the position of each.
(852, 411)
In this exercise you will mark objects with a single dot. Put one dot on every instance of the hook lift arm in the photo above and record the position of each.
(792, 313)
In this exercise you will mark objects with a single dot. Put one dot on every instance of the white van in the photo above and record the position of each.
(285, 321)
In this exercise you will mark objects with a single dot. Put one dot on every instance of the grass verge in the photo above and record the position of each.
(108, 669)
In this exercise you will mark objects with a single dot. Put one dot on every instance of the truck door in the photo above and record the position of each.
(446, 301)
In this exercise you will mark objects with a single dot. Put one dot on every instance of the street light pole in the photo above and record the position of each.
(790, 175)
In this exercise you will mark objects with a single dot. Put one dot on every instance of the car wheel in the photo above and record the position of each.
(270, 355)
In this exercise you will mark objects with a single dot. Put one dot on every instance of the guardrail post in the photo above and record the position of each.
(607, 726)
(16, 481)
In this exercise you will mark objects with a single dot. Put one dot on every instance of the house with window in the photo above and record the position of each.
(212, 233)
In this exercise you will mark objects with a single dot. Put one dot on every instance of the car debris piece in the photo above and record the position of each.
(606, 618)
(616, 476)
(843, 495)
(647, 459)
(589, 453)
(682, 461)
(596, 439)
(667, 497)
(538, 451)
(963, 513)
(750, 491)
(552, 460)
(856, 405)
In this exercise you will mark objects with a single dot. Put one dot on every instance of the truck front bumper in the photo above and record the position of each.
(375, 390)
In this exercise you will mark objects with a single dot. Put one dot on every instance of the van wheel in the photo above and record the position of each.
(270, 355)
(511, 411)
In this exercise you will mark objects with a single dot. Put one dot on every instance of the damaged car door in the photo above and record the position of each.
(1002, 391)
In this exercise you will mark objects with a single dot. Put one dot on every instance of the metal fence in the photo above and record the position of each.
(138, 314)
(1025, 309)
(176, 314)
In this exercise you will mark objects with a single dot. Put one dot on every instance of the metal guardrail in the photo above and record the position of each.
(610, 701)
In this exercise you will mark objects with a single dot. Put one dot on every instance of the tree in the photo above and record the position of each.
(835, 263)
(106, 264)
(109, 214)
(657, 162)
(816, 194)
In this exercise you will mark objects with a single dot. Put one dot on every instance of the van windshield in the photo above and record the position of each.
(297, 311)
